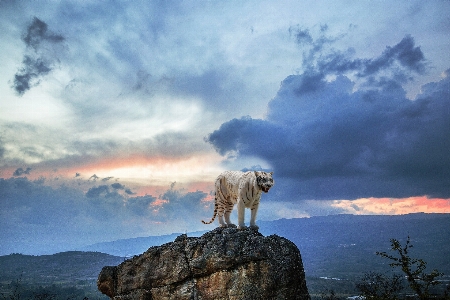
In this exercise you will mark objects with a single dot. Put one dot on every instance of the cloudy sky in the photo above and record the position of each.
(116, 116)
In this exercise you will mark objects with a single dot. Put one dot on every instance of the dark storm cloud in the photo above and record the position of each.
(321, 60)
(405, 54)
(330, 142)
(20, 172)
(178, 204)
(241, 134)
(33, 214)
(117, 186)
(108, 200)
(178, 199)
(104, 192)
(29, 74)
(93, 177)
(302, 36)
(140, 205)
(30, 202)
(37, 32)
(129, 192)
(37, 62)
(97, 191)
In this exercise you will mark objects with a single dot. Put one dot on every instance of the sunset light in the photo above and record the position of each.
(389, 206)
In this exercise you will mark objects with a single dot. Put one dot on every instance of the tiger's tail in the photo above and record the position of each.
(215, 212)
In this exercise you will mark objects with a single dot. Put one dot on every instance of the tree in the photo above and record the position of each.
(413, 268)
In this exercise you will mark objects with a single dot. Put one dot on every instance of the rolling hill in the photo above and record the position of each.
(336, 251)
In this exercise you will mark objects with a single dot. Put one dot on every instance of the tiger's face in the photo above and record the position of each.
(264, 180)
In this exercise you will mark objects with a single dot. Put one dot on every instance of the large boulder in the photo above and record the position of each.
(224, 263)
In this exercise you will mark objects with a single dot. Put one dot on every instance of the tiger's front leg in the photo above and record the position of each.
(254, 211)
(241, 214)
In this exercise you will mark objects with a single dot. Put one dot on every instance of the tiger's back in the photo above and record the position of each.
(229, 182)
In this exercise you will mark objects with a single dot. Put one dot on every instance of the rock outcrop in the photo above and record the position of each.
(224, 263)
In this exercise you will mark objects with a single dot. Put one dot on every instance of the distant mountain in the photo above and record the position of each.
(336, 245)
(64, 267)
(345, 245)
(133, 246)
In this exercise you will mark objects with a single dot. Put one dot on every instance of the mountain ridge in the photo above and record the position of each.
(341, 237)
(332, 247)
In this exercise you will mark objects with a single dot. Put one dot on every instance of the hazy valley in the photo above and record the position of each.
(336, 251)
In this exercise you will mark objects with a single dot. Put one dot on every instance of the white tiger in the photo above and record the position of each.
(243, 189)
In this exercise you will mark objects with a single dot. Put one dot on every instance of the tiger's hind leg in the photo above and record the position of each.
(221, 222)
(221, 200)
(228, 211)
(220, 216)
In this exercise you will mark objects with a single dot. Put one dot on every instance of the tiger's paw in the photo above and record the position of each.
(242, 227)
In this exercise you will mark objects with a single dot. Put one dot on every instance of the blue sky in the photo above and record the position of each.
(116, 117)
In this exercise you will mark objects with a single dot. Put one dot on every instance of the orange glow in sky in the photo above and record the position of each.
(153, 176)
(391, 206)
(154, 170)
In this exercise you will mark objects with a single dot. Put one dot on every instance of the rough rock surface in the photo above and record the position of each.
(224, 263)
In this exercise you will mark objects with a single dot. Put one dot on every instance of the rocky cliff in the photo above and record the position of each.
(224, 263)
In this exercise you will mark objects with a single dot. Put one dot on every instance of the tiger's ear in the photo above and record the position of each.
(256, 173)
(271, 173)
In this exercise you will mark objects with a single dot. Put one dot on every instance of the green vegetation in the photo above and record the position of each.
(18, 291)
(62, 276)
(413, 269)
(413, 282)
(380, 286)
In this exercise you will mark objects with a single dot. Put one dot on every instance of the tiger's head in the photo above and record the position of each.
(264, 180)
